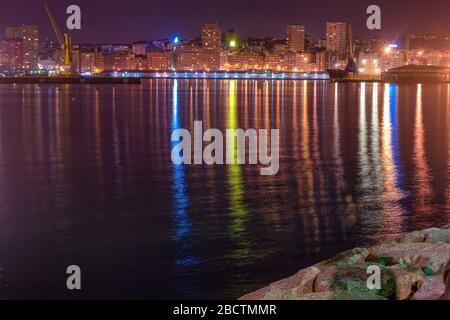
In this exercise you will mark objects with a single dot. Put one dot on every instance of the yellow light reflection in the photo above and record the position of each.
(238, 210)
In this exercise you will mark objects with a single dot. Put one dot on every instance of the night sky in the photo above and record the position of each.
(135, 20)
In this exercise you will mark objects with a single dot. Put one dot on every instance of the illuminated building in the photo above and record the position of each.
(391, 58)
(211, 36)
(211, 43)
(11, 51)
(159, 60)
(274, 61)
(291, 62)
(139, 63)
(118, 61)
(369, 66)
(223, 59)
(30, 38)
(211, 59)
(296, 38)
(89, 61)
(99, 61)
(242, 62)
(322, 61)
(338, 38)
(297, 62)
(189, 58)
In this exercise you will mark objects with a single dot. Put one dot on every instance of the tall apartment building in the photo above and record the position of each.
(338, 38)
(211, 36)
(30, 39)
(296, 38)
(211, 43)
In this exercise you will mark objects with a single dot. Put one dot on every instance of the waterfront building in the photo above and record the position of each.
(296, 62)
(338, 35)
(274, 61)
(322, 61)
(189, 58)
(211, 36)
(224, 60)
(97, 62)
(118, 61)
(139, 63)
(243, 62)
(296, 38)
(87, 63)
(30, 38)
(159, 60)
(211, 59)
(11, 51)
(392, 58)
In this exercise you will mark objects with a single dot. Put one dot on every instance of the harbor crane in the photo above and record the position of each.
(65, 43)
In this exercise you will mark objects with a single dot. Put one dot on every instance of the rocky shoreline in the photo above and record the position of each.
(414, 267)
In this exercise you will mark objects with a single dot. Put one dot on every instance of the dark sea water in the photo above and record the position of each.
(86, 179)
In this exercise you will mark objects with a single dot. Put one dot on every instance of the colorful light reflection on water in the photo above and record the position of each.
(86, 178)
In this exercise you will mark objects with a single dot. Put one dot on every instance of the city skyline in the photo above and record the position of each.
(24, 49)
(159, 20)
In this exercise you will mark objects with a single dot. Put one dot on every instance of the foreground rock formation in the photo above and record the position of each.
(415, 267)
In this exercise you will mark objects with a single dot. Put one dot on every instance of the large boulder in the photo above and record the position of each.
(407, 281)
(429, 235)
(433, 256)
(288, 289)
(438, 235)
(324, 281)
(433, 288)
(413, 237)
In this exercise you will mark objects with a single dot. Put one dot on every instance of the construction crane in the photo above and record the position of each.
(65, 43)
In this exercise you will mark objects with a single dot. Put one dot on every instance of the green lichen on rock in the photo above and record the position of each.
(353, 279)
(428, 272)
